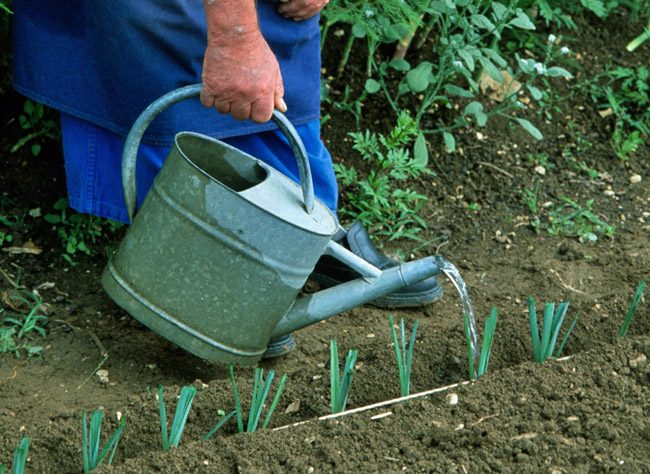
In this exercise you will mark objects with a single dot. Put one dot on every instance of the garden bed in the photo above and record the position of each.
(584, 413)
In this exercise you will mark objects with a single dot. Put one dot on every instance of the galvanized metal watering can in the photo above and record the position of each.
(221, 246)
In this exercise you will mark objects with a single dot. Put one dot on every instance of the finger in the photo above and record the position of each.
(223, 107)
(262, 110)
(207, 99)
(240, 110)
(278, 95)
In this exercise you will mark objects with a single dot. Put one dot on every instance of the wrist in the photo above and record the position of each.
(231, 22)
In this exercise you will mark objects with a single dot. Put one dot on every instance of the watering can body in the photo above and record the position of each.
(216, 255)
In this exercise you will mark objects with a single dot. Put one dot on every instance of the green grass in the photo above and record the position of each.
(543, 346)
(91, 455)
(340, 387)
(180, 417)
(630, 312)
(486, 347)
(403, 354)
(17, 330)
(20, 456)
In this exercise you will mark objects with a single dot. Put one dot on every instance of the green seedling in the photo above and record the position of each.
(20, 457)
(486, 347)
(630, 312)
(18, 330)
(91, 454)
(340, 387)
(260, 392)
(180, 417)
(543, 347)
(39, 122)
(403, 354)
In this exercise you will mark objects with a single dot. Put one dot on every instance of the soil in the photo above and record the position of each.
(586, 412)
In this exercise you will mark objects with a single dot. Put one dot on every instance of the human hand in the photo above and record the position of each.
(299, 10)
(242, 78)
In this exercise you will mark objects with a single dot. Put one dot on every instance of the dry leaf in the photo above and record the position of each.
(28, 247)
(495, 90)
(293, 407)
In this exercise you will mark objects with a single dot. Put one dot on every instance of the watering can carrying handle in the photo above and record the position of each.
(137, 131)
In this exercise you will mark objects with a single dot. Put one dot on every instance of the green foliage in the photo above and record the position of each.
(486, 347)
(76, 231)
(38, 122)
(180, 417)
(626, 92)
(91, 455)
(543, 347)
(380, 201)
(20, 457)
(631, 311)
(403, 354)
(573, 220)
(18, 331)
(260, 392)
(340, 387)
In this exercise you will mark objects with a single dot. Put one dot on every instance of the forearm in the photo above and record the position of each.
(231, 21)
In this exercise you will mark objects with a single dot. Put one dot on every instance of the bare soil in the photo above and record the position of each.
(587, 413)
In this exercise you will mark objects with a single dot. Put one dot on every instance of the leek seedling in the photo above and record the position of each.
(180, 417)
(404, 355)
(630, 312)
(543, 348)
(339, 388)
(90, 444)
(486, 347)
(20, 456)
(260, 392)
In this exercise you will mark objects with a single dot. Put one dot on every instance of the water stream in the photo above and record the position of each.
(454, 275)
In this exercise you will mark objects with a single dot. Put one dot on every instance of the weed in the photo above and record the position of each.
(486, 347)
(18, 330)
(340, 387)
(91, 454)
(573, 220)
(76, 231)
(39, 122)
(543, 347)
(403, 354)
(630, 312)
(380, 202)
(180, 417)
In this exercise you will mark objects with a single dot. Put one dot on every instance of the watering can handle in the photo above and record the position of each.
(137, 131)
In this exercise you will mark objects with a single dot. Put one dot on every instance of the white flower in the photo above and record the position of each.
(458, 64)
(369, 13)
(564, 50)
(540, 68)
(551, 38)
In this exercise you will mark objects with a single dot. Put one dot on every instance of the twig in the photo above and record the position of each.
(9, 279)
(490, 165)
(568, 287)
(376, 405)
(93, 372)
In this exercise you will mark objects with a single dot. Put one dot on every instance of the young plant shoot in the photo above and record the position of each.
(486, 348)
(260, 392)
(543, 348)
(180, 417)
(340, 387)
(90, 444)
(630, 312)
(20, 456)
(403, 355)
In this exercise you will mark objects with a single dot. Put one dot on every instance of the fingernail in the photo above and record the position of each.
(283, 106)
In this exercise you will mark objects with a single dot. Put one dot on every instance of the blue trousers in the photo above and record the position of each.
(93, 159)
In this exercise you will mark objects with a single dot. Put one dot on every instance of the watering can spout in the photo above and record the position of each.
(332, 301)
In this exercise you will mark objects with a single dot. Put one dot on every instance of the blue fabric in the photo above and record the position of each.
(93, 164)
(105, 61)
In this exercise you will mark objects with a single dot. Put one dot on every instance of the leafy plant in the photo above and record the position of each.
(260, 392)
(486, 347)
(630, 312)
(403, 354)
(17, 330)
(91, 454)
(39, 122)
(380, 201)
(574, 220)
(180, 417)
(543, 347)
(20, 457)
(340, 387)
(76, 230)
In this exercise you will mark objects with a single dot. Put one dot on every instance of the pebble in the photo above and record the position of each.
(635, 178)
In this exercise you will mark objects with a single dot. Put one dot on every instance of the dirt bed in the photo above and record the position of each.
(587, 412)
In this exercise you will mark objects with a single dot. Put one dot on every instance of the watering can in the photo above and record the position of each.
(216, 255)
